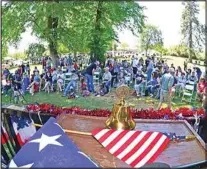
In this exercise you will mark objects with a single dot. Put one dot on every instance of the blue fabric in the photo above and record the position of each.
(6, 72)
(25, 84)
(36, 78)
(90, 84)
(149, 74)
(6, 89)
(72, 84)
(167, 81)
(60, 153)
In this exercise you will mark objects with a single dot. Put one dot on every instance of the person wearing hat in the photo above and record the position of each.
(201, 88)
(166, 84)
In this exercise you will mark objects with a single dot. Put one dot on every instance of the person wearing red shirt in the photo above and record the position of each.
(201, 88)
(76, 66)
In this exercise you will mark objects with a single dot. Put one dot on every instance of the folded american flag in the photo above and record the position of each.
(136, 148)
(50, 147)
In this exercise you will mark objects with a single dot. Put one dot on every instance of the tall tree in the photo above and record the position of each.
(150, 38)
(35, 50)
(193, 32)
(80, 26)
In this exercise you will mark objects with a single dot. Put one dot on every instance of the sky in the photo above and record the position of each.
(165, 15)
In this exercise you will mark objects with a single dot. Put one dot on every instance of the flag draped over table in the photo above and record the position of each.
(136, 148)
(50, 147)
(23, 128)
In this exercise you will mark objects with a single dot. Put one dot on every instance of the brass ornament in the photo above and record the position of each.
(121, 117)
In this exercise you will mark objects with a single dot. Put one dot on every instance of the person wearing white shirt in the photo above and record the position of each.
(134, 65)
(60, 80)
(181, 82)
(107, 78)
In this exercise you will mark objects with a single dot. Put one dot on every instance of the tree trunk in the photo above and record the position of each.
(52, 25)
(190, 39)
(96, 50)
(146, 50)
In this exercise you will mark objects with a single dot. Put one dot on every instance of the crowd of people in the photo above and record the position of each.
(149, 77)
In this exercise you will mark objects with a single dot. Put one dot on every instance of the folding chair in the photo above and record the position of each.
(67, 79)
(188, 91)
(96, 78)
(64, 70)
(127, 79)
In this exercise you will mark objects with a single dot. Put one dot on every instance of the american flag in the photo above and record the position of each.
(136, 148)
(50, 147)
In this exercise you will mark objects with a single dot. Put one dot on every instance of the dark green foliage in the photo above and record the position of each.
(35, 50)
(192, 30)
(80, 26)
(151, 38)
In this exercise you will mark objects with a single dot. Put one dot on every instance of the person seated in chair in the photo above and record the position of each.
(48, 82)
(152, 85)
(181, 82)
(203, 122)
(139, 83)
(102, 90)
(192, 79)
(60, 80)
(36, 81)
(71, 84)
(201, 88)
(107, 79)
(84, 91)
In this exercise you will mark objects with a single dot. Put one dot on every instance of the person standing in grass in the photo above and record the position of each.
(166, 82)
(25, 82)
(89, 75)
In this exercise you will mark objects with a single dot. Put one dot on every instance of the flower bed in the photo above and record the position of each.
(179, 114)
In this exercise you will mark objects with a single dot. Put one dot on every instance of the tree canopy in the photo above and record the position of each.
(79, 26)
(35, 50)
(151, 37)
(193, 32)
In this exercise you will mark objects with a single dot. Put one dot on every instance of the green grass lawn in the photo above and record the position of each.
(92, 102)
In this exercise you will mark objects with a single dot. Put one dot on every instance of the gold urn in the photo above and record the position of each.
(121, 117)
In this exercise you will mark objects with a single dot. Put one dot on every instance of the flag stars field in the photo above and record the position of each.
(46, 140)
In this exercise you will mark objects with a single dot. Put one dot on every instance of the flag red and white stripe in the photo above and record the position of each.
(4, 135)
(136, 148)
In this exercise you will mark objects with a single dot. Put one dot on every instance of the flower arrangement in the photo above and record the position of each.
(167, 114)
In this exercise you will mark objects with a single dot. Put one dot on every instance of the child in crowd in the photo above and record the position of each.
(48, 82)
(84, 91)
(102, 90)
(201, 87)
(35, 83)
